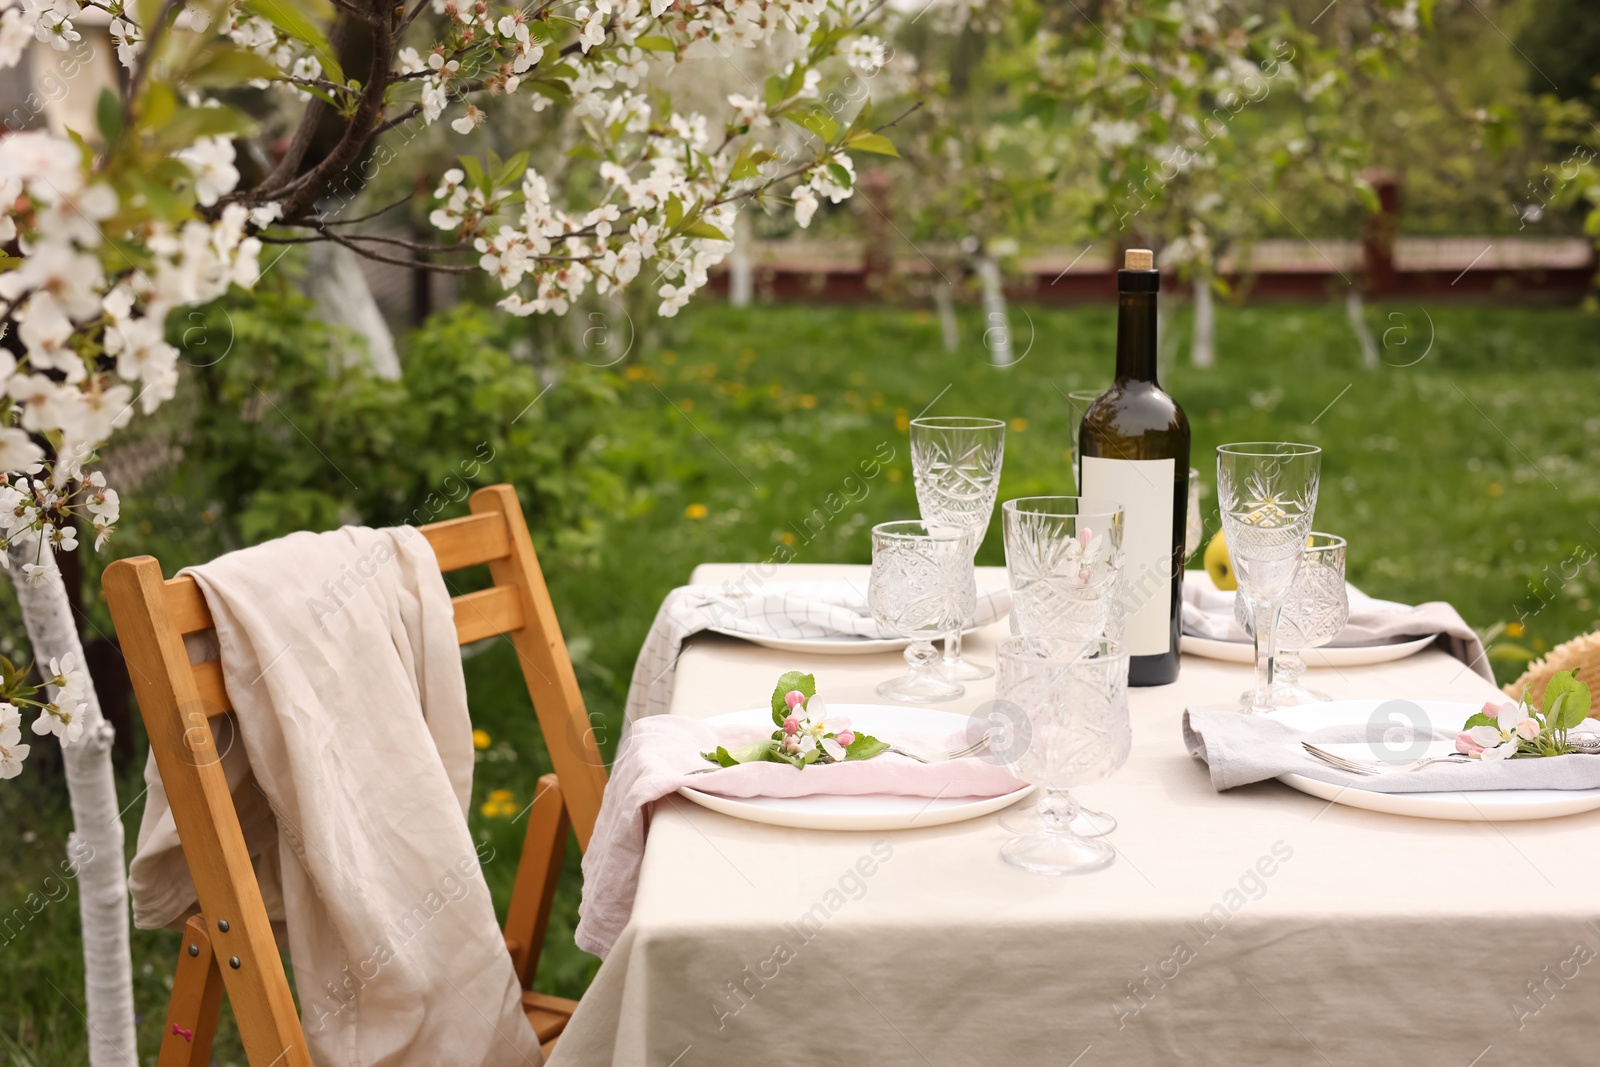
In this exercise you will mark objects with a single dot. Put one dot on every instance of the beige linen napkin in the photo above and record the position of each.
(352, 773)
(1208, 612)
(1240, 748)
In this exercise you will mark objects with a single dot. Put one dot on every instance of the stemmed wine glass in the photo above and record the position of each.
(955, 463)
(1064, 562)
(1079, 400)
(1267, 493)
(1074, 697)
(921, 586)
(1314, 613)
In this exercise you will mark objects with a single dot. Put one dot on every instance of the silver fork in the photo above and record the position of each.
(1358, 767)
(939, 757)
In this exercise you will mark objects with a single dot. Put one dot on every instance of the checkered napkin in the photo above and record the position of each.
(789, 610)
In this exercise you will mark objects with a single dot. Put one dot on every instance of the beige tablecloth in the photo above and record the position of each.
(1259, 926)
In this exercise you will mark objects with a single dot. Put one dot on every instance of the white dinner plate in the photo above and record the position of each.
(868, 811)
(825, 646)
(1489, 805)
(1346, 656)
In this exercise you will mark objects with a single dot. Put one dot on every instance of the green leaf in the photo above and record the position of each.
(655, 44)
(555, 90)
(584, 150)
(751, 753)
(816, 122)
(806, 683)
(865, 746)
(228, 65)
(474, 172)
(291, 17)
(874, 142)
(1566, 700)
(744, 167)
(674, 210)
(773, 91)
(701, 228)
(108, 115)
(1480, 719)
(511, 171)
(160, 104)
(840, 175)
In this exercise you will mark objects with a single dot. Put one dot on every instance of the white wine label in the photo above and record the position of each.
(1144, 489)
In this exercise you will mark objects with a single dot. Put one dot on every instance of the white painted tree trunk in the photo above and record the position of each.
(1202, 349)
(996, 318)
(1357, 312)
(343, 298)
(741, 272)
(97, 841)
(945, 305)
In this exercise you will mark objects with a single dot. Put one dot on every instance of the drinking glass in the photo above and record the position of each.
(1267, 493)
(1063, 559)
(1314, 613)
(955, 463)
(1193, 528)
(1074, 696)
(921, 586)
(1079, 400)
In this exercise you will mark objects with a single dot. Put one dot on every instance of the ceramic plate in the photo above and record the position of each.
(1347, 656)
(870, 811)
(826, 646)
(1497, 805)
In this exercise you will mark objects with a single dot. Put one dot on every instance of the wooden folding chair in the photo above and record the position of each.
(229, 946)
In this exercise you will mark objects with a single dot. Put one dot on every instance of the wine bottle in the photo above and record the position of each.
(1133, 448)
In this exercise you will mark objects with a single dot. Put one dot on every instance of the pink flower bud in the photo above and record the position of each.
(791, 725)
(846, 738)
(1528, 729)
(1465, 743)
(794, 698)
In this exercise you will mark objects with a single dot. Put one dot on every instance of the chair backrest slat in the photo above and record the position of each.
(177, 698)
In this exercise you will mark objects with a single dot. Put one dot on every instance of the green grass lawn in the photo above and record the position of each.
(1472, 475)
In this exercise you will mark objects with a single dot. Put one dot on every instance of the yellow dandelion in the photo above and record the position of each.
(695, 511)
(902, 421)
(1019, 425)
(786, 537)
(1515, 630)
(1495, 489)
(636, 373)
(685, 404)
(480, 739)
(894, 474)
(808, 401)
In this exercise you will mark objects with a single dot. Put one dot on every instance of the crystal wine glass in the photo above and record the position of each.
(1074, 697)
(955, 462)
(1314, 613)
(1064, 562)
(1267, 493)
(1079, 400)
(921, 586)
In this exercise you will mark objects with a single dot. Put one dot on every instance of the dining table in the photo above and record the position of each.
(1259, 925)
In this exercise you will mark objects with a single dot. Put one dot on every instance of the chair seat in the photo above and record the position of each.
(548, 1016)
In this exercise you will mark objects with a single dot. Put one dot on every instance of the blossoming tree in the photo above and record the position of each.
(111, 229)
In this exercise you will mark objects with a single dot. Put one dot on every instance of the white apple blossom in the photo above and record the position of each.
(211, 160)
(12, 750)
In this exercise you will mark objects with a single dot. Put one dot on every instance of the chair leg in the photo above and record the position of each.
(196, 1002)
(537, 872)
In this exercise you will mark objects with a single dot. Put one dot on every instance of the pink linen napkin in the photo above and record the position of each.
(656, 756)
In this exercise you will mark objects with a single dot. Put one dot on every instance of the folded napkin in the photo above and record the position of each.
(655, 758)
(1240, 749)
(1208, 612)
(789, 610)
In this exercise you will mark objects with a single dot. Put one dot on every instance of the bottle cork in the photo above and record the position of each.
(1138, 259)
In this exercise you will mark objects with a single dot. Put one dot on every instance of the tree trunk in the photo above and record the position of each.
(996, 321)
(343, 298)
(1357, 312)
(1203, 348)
(96, 845)
(741, 272)
(946, 306)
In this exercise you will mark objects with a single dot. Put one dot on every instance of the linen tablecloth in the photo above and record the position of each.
(1257, 926)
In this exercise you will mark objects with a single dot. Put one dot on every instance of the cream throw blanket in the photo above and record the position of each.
(352, 772)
